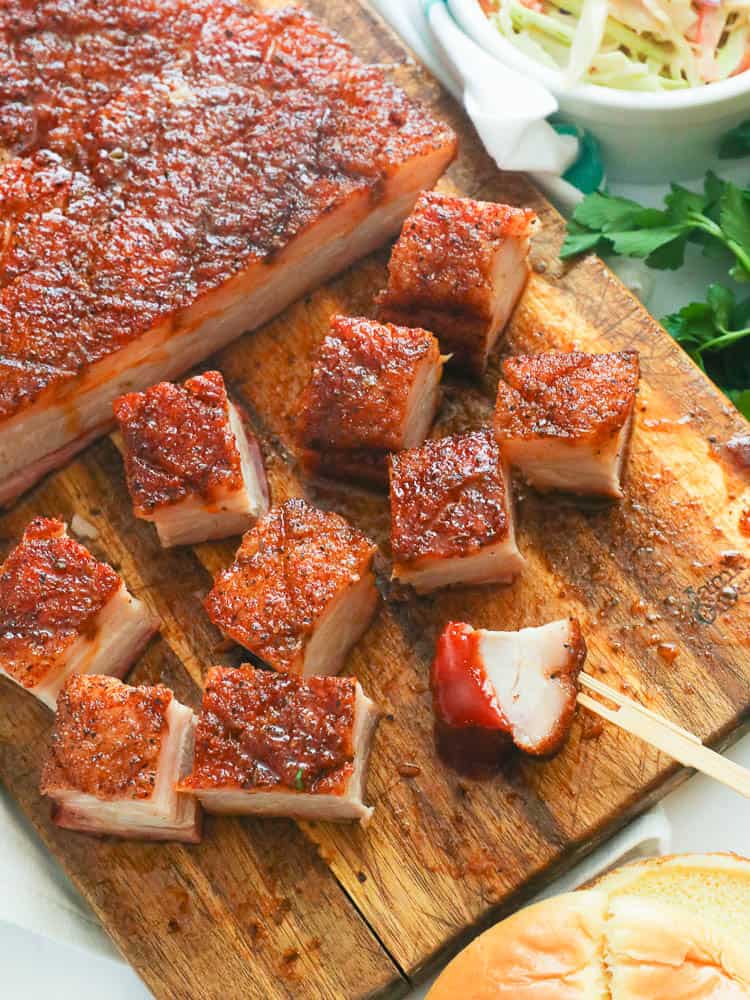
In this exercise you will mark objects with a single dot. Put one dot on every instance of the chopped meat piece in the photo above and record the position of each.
(62, 612)
(564, 419)
(458, 269)
(374, 389)
(277, 745)
(128, 256)
(452, 514)
(191, 466)
(300, 592)
(522, 683)
(116, 756)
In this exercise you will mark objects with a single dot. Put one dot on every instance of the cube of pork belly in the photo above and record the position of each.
(522, 683)
(191, 466)
(375, 388)
(459, 268)
(63, 612)
(277, 745)
(300, 592)
(452, 514)
(116, 756)
(564, 420)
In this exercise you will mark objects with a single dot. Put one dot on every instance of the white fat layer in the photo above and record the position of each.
(230, 512)
(346, 618)
(348, 805)
(572, 466)
(422, 403)
(510, 271)
(165, 814)
(521, 667)
(118, 634)
(67, 418)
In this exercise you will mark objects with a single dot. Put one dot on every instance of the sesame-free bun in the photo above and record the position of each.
(675, 928)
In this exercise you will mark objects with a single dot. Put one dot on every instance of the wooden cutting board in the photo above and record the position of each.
(661, 583)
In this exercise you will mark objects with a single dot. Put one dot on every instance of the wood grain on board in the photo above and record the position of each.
(660, 582)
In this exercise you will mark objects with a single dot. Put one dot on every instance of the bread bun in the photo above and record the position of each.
(675, 928)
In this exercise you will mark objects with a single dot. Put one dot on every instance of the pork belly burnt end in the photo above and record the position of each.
(452, 514)
(300, 592)
(63, 612)
(458, 269)
(191, 466)
(129, 258)
(521, 683)
(277, 745)
(116, 756)
(374, 389)
(564, 419)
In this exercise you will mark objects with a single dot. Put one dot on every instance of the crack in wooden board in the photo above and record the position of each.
(269, 908)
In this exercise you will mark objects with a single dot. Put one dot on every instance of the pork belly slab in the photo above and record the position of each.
(375, 388)
(116, 756)
(157, 214)
(300, 592)
(521, 683)
(277, 745)
(452, 514)
(458, 269)
(564, 419)
(191, 466)
(62, 612)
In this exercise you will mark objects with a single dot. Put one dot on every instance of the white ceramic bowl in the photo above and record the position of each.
(644, 136)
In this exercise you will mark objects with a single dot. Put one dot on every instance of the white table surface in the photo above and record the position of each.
(704, 815)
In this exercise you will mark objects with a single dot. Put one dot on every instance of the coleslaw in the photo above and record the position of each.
(656, 45)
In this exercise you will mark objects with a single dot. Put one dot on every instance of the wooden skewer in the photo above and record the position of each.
(666, 736)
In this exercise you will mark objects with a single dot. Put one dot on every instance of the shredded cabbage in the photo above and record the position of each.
(656, 45)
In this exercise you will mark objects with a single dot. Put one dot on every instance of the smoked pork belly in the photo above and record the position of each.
(458, 269)
(375, 388)
(158, 214)
(116, 756)
(300, 592)
(452, 514)
(564, 420)
(521, 683)
(191, 466)
(62, 612)
(277, 745)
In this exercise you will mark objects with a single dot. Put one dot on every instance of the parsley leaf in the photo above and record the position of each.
(299, 780)
(735, 143)
(718, 218)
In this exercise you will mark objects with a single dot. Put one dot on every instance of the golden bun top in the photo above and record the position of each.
(674, 928)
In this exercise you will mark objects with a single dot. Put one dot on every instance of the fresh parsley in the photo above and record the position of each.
(736, 142)
(718, 218)
(716, 333)
(299, 780)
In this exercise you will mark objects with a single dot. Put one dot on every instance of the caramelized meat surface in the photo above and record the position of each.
(107, 738)
(292, 565)
(178, 442)
(156, 128)
(571, 396)
(448, 498)
(51, 589)
(358, 396)
(448, 272)
(261, 731)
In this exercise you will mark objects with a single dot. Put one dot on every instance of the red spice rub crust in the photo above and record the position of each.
(178, 442)
(179, 180)
(573, 396)
(568, 678)
(51, 588)
(440, 275)
(289, 568)
(107, 738)
(448, 498)
(359, 390)
(260, 730)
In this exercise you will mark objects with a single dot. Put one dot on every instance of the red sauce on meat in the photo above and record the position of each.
(461, 692)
